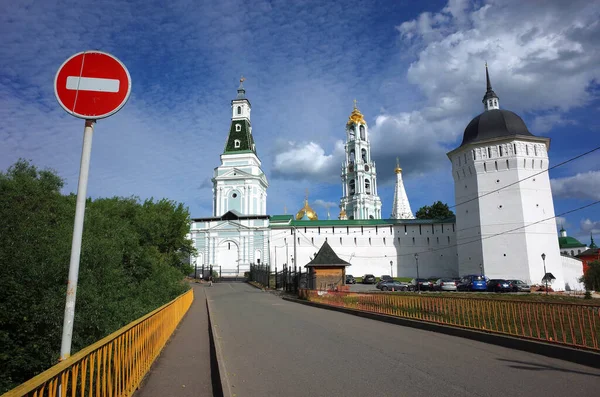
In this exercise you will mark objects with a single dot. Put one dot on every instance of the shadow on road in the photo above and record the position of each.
(543, 367)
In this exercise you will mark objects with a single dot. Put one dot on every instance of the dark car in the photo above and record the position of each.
(420, 284)
(368, 279)
(472, 282)
(350, 279)
(383, 279)
(389, 285)
(520, 286)
(499, 285)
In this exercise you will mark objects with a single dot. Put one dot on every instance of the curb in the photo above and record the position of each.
(220, 381)
(583, 357)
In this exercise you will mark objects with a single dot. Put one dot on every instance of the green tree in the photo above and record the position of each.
(133, 260)
(437, 210)
(591, 278)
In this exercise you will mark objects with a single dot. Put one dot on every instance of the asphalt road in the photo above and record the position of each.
(272, 347)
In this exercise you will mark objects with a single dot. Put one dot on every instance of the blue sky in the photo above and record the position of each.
(416, 69)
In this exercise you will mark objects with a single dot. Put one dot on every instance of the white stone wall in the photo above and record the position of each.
(572, 271)
(370, 249)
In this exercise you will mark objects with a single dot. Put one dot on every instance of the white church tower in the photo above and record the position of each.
(239, 183)
(359, 175)
(504, 221)
(401, 206)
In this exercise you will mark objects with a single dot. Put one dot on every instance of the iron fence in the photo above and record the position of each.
(115, 365)
(575, 325)
(289, 279)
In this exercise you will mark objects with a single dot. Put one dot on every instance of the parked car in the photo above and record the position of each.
(520, 286)
(383, 279)
(472, 282)
(368, 279)
(350, 279)
(388, 285)
(445, 284)
(499, 285)
(420, 284)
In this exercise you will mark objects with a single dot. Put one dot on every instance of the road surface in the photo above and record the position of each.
(273, 347)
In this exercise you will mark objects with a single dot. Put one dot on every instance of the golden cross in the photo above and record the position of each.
(306, 194)
(242, 79)
(355, 104)
(397, 162)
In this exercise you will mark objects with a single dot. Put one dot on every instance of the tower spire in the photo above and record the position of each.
(401, 206)
(490, 99)
(592, 244)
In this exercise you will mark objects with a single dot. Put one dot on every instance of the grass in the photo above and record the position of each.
(517, 315)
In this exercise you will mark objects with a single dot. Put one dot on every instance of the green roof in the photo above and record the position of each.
(569, 242)
(290, 221)
(244, 136)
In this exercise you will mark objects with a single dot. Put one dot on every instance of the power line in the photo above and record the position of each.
(529, 177)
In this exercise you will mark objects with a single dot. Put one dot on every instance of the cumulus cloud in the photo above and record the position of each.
(543, 124)
(561, 222)
(588, 226)
(307, 160)
(525, 44)
(580, 186)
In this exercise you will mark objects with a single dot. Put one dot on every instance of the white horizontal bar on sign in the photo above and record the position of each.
(92, 84)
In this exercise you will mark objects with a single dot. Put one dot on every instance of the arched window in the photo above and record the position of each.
(238, 127)
(362, 132)
(367, 186)
(352, 187)
(490, 152)
(239, 110)
(474, 154)
(363, 154)
(535, 150)
(484, 167)
(351, 157)
(501, 151)
(352, 132)
(527, 150)
(496, 164)
(515, 148)
(507, 165)
(236, 143)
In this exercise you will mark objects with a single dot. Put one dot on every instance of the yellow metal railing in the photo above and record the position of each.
(115, 365)
(575, 325)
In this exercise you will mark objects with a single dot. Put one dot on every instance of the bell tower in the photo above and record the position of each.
(239, 183)
(359, 175)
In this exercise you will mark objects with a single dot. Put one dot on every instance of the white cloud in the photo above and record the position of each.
(325, 204)
(561, 222)
(526, 47)
(588, 226)
(543, 124)
(582, 186)
(307, 160)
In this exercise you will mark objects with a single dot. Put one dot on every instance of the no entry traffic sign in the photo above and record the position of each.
(92, 85)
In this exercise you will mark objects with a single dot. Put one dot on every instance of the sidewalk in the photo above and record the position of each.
(183, 367)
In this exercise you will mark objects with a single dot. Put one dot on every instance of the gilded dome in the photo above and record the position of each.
(307, 212)
(356, 116)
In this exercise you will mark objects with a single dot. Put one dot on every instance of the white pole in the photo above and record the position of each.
(65, 348)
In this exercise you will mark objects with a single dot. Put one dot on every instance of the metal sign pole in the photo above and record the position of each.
(67, 336)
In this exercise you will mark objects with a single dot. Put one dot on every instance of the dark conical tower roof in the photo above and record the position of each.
(489, 93)
(327, 257)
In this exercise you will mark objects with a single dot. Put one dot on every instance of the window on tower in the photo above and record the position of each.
(367, 186)
(351, 156)
(239, 110)
(352, 187)
(238, 127)
(362, 132)
(352, 132)
(363, 154)
(236, 143)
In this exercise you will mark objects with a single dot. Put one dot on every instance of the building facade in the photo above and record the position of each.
(504, 210)
(359, 174)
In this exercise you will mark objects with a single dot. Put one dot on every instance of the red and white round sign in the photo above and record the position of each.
(92, 85)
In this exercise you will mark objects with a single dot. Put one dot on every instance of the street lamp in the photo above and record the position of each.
(481, 268)
(418, 285)
(391, 271)
(545, 274)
